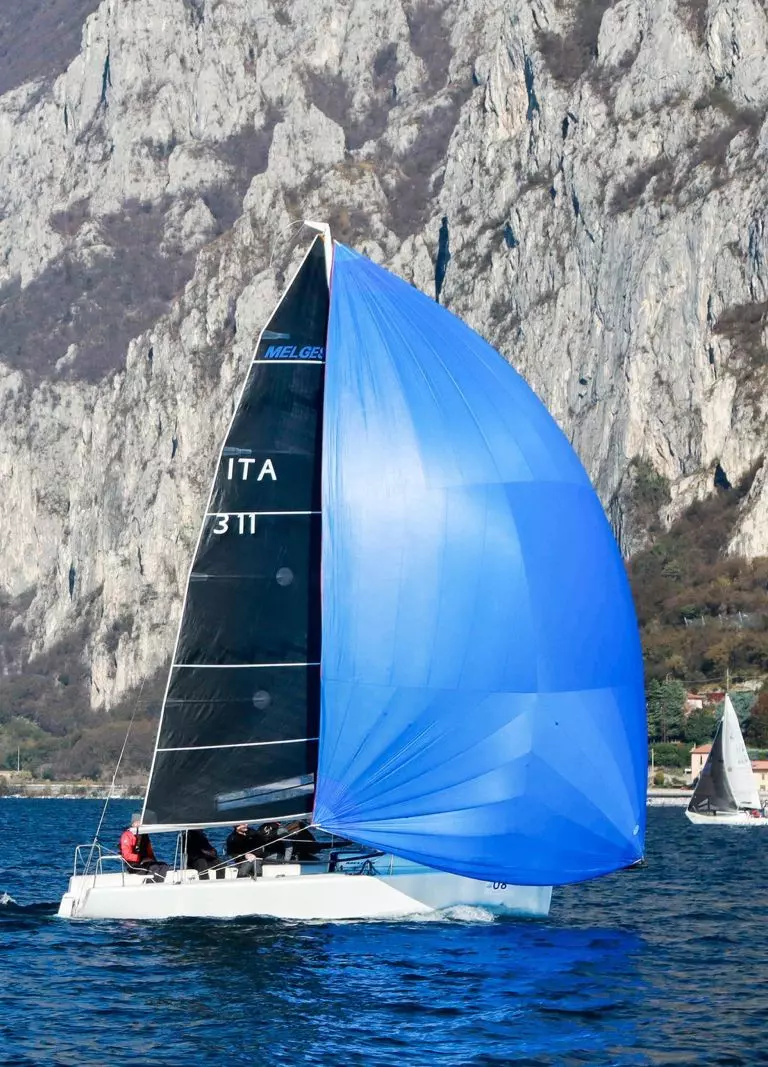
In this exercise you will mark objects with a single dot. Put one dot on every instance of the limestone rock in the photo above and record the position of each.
(602, 170)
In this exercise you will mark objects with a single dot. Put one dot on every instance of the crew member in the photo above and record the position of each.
(246, 847)
(138, 854)
(301, 841)
(270, 831)
(201, 855)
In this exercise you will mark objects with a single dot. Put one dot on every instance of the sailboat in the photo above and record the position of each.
(406, 621)
(726, 793)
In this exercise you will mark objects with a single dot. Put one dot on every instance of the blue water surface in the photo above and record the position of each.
(664, 965)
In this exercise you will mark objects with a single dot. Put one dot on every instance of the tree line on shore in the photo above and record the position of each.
(673, 730)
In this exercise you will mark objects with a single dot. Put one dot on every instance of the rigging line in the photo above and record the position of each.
(114, 779)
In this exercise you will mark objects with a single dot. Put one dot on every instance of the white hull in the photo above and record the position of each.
(727, 818)
(297, 891)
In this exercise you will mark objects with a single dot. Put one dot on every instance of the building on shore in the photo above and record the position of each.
(698, 759)
(760, 770)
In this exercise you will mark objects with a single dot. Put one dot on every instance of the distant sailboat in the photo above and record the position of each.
(726, 793)
(407, 620)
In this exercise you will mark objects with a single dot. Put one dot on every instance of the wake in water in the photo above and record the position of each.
(460, 913)
(8, 907)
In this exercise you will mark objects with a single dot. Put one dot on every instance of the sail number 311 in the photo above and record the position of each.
(245, 522)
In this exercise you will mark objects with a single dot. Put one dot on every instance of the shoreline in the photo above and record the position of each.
(72, 796)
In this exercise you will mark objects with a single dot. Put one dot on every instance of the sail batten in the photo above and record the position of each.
(237, 514)
(308, 361)
(239, 724)
(240, 666)
(242, 744)
(166, 828)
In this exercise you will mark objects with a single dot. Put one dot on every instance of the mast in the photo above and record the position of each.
(237, 739)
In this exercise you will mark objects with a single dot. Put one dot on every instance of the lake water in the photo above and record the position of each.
(664, 965)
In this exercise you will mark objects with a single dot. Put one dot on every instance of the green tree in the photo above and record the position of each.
(654, 703)
(665, 701)
(700, 726)
(742, 705)
(756, 732)
(670, 755)
(674, 703)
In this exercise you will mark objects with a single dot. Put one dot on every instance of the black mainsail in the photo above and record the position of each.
(238, 732)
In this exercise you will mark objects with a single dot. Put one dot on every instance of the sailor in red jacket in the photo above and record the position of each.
(137, 852)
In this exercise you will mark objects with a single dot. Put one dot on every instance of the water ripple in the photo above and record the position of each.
(660, 966)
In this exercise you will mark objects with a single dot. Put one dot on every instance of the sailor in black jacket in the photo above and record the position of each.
(201, 855)
(246, 847)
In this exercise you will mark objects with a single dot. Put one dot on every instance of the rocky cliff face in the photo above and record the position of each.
(583, 181)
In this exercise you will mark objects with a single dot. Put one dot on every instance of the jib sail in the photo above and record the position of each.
(238, 734)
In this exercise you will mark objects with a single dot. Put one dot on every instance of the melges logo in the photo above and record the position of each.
(295, 352)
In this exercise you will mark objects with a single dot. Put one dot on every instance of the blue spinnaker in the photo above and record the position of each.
(482, 686)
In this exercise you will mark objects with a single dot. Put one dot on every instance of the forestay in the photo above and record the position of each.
(482, 698)
(238, 734)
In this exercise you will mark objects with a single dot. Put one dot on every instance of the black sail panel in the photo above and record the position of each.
(238, 733)
(273, 704)
(712, 792)
(253, 594)
(239, 784)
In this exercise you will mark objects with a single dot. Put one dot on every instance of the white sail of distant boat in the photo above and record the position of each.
(726, 792)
